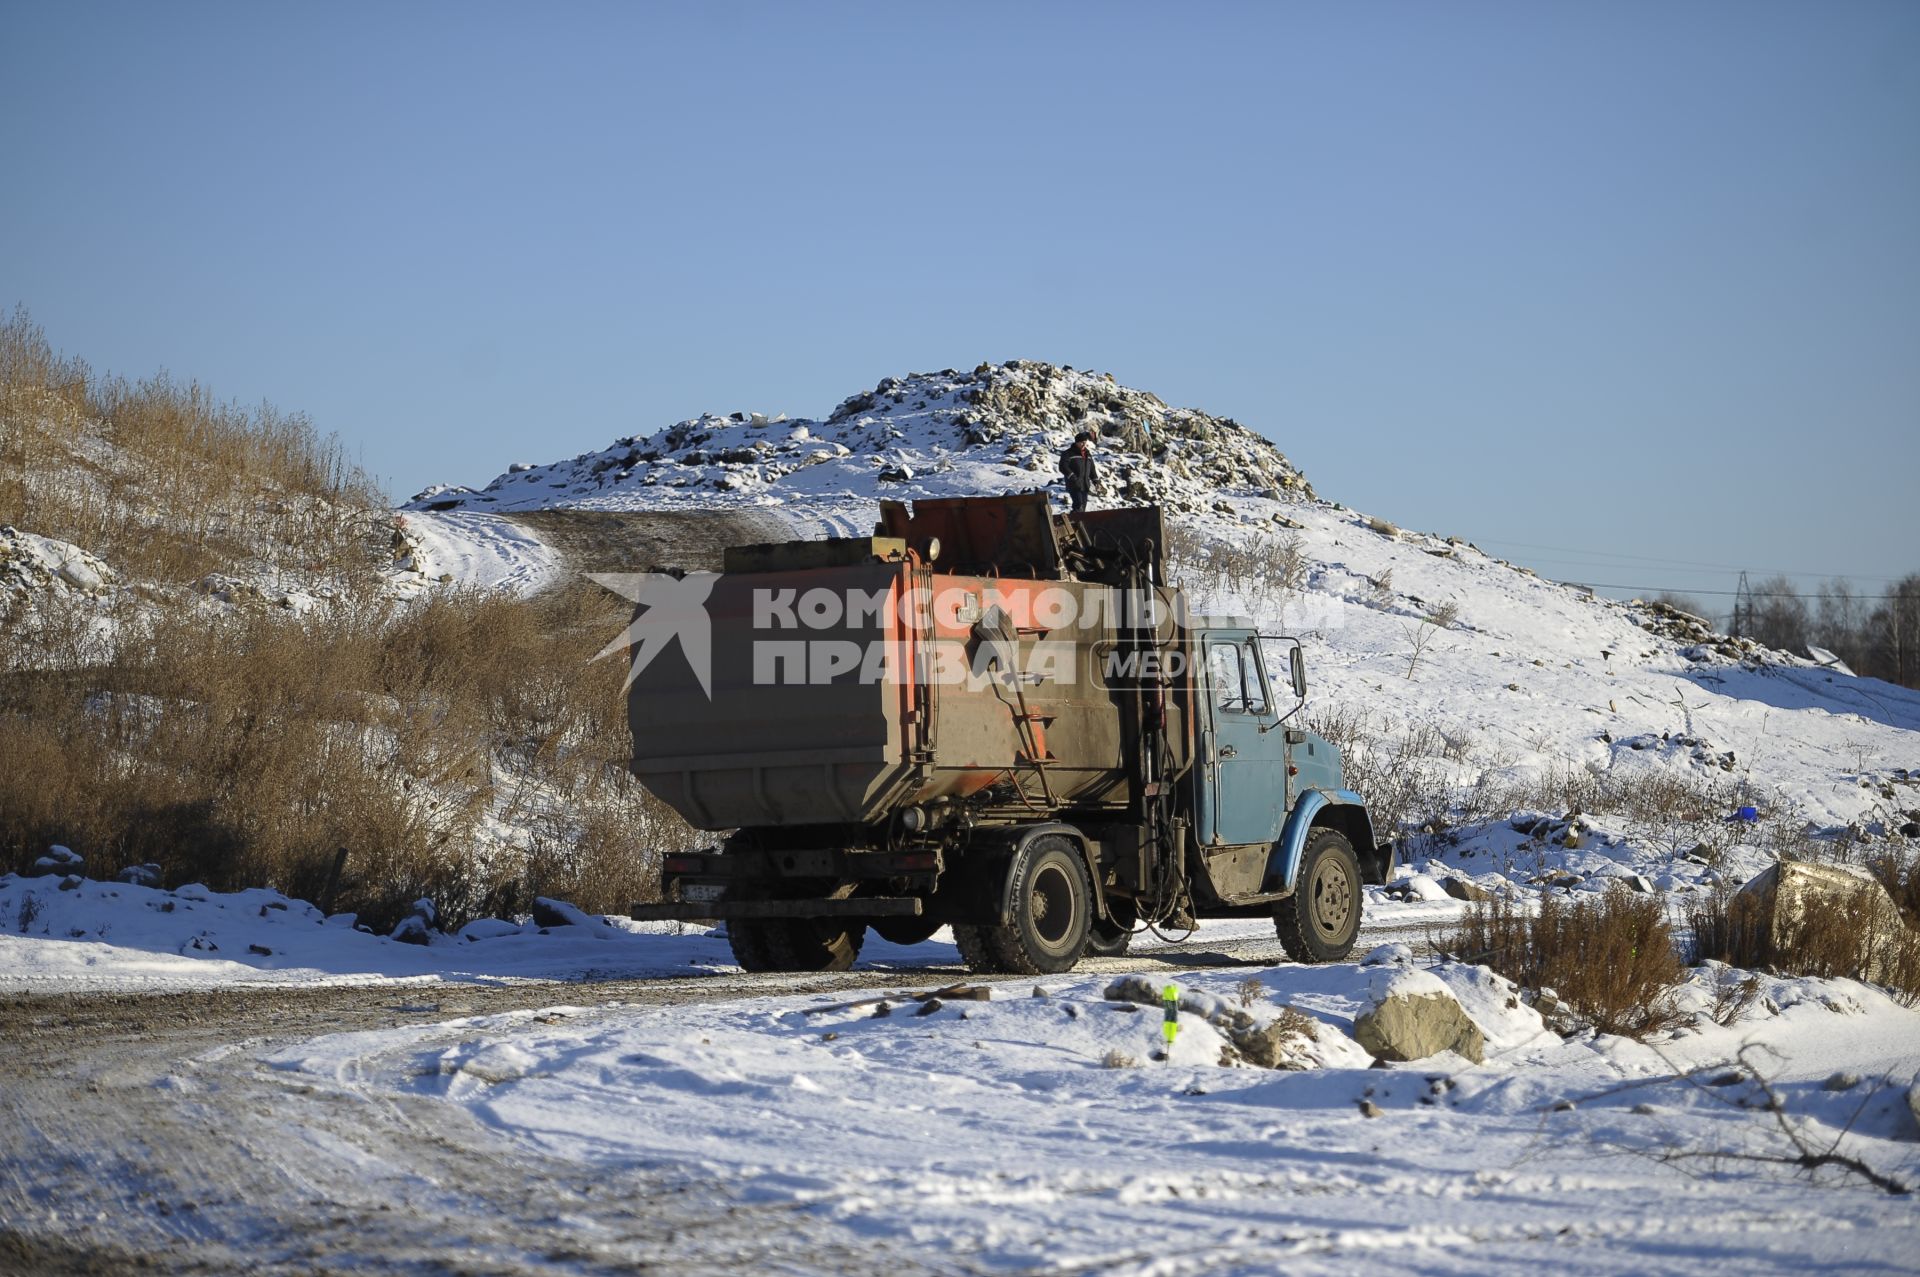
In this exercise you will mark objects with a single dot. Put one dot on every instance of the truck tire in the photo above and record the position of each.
(1108, 940)
(1052, 914)
(1321, 919)
(794, 944)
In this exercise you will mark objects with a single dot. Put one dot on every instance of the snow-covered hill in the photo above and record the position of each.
(1466, 689)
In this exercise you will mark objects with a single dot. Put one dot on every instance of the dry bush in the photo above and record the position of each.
(462, 748)
(1402, 772)
(1610, 958)
(1263, 571)
(1739, 929)
(1733, 993)
(1900, 875)
(167, 483)
(243, 749)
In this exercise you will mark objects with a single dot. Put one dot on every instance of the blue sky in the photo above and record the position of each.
(1635, 280)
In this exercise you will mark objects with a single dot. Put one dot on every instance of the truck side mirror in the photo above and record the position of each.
(1298, 661)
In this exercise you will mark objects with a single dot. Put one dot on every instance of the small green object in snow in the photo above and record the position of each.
(1170, 997)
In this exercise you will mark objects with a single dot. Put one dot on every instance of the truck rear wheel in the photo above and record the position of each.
(1052, 912)
(794, 944)
(1321, 919)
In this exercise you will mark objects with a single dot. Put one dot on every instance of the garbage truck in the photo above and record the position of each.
(991, 717)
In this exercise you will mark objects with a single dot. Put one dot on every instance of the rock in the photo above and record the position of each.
(78, 574)
(417, 926)
(1369, 1109)
(1462, 889)
(1281, 1043)
(1133, 988)
(58, 860)
(1398, 955)
(260, 950)
(1415, 1016)
(411, 930)
(1782, 894)
(1639, 882)
(1039, 992)
(1841, 1082)
(558, 913)
(147, 875)
(71, 882)
(1422, 887)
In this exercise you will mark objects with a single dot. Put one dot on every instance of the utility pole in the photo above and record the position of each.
(1742, 608)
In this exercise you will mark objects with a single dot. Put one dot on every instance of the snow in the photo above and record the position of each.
(476, 551)
(1030, 1132)
(71, 933)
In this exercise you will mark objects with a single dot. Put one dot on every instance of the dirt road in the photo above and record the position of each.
(140, 1132)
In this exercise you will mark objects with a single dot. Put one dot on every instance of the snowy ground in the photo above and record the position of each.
(1033, 1131)
(476, 551)
(1006, 1135)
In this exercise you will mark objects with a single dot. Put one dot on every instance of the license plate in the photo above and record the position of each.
(702, 893)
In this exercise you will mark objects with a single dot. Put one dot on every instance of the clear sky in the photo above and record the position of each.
(1639, 280)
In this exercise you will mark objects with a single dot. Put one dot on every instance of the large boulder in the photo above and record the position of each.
(1799, 907)
(1414, 1015)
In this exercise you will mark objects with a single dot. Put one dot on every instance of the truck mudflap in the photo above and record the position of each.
(1351, 819)
(864, 907)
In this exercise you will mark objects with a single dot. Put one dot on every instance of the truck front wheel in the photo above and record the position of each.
(794, 944)
(1321, 919)
(1051, 900)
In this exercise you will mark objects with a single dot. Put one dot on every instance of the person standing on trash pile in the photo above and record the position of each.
(1076, 463)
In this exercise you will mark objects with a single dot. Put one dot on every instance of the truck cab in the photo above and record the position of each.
(1260, 790)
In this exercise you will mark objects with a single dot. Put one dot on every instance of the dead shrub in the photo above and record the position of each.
(167, 483)
(1262, 571)
(462, 747)
(243, 749)
(1900, 875)
(1733, 993)
(1610, 957)
(1740, 929)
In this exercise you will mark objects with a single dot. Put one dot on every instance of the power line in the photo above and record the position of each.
(1580, 563)
(1690, 563)
(1757, 594)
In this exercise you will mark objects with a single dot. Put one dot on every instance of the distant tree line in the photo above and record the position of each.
(1877, 635)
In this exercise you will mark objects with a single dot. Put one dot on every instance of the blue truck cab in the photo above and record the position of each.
(1274, 825)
